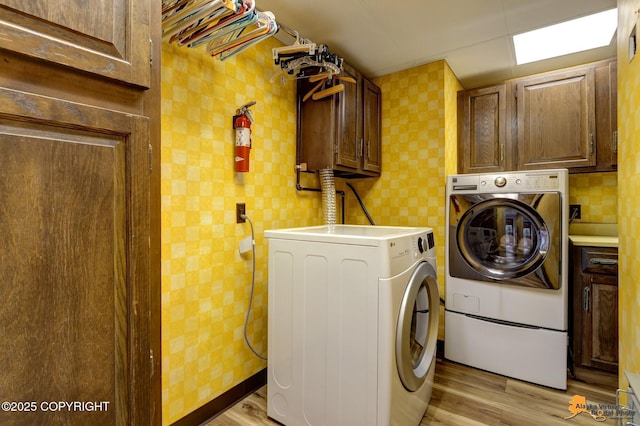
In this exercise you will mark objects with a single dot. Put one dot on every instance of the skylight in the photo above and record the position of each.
(588, 32)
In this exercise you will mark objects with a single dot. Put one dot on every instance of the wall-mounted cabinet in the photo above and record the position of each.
(556, 120)
(342, 131)
(560, 119)
(482, 129)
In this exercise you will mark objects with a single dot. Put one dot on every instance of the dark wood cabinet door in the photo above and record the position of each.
(482, 127)
(350, 121)
(109, 38)
(372, 158)
(601, 323)
(556, 120)
(74, 262)
(79, 210)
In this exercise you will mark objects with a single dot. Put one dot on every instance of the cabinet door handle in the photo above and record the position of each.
(586, 296)
(501, 153)
(603, 261)
(615, 141)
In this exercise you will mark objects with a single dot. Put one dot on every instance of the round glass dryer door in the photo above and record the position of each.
(417, 331)
(503, 238)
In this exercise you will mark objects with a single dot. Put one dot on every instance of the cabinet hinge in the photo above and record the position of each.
(591, 150)
(150, 157)
(615, 142)
(150, 52)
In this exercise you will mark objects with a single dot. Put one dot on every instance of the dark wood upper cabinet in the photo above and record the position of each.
(341, 132)
(556, 120)
(560, 119)
(482, 130)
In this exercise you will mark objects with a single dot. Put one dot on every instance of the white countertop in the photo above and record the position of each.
(593, 240)
(594, 234)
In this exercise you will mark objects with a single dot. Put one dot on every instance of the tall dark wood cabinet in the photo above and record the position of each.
(594, 314)
(341, 132)
(79, 210)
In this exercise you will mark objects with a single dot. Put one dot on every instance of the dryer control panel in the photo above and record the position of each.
(405, 251)
(538, 180)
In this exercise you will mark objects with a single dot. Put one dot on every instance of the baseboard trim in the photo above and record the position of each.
(224, 401)
(440, 349)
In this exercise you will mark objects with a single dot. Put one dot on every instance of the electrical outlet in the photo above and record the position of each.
(574, 211)
(240, 212)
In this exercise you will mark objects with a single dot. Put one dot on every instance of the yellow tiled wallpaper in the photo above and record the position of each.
(205, 280)
(597, 194)
(418, 128)
(628, 192)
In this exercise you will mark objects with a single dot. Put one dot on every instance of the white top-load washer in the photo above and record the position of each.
(353, 324)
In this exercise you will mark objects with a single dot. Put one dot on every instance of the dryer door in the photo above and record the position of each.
(417, 330)
(510, 239)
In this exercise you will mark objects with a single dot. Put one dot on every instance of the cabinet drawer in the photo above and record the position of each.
(597, 260)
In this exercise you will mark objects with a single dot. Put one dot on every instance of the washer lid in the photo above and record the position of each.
(351, 234)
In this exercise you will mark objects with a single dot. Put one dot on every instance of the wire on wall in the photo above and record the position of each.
(364, 209)
(253, 283)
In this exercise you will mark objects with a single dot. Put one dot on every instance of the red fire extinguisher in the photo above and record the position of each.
(242, 125)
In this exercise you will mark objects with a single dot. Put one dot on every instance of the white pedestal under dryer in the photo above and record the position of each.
(353, 325)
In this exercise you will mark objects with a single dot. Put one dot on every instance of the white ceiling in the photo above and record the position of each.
(474, 36)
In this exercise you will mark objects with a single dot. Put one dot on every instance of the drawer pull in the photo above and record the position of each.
(603, 261)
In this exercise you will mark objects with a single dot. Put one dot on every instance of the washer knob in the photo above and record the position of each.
(421, 243)
(500, 181)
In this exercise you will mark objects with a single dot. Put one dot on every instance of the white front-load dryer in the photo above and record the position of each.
(353, 324)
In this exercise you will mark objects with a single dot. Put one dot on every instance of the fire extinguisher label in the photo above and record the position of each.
(243, 136)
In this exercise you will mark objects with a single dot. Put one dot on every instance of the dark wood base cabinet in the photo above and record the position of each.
(594, 314)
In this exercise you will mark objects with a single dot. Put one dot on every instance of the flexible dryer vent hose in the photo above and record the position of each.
(328, 185)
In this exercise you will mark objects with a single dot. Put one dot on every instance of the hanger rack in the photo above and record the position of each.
(226, 26)
(306, 59)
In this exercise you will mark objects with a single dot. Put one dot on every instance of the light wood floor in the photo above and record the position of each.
(465, 396)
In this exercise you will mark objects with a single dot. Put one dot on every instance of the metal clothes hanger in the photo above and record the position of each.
(234, 43)
(245, 15)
